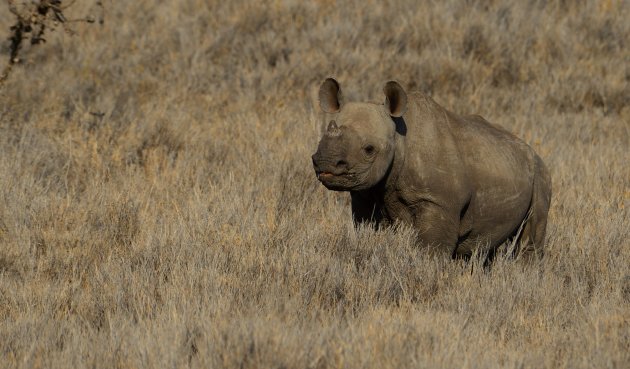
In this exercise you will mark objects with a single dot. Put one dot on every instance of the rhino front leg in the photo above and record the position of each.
(437, 228)
(366, 209)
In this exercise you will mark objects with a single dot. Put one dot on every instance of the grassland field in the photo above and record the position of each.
(158, 206)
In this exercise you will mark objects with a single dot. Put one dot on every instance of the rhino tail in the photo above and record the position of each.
(532, 237)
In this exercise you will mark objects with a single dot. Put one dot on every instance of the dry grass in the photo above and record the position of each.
(158, 206)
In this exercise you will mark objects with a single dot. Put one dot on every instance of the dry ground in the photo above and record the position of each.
(158, 206)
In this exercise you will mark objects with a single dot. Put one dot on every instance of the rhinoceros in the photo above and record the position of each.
(463, 183)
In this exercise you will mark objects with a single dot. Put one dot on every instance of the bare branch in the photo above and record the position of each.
(33, 20)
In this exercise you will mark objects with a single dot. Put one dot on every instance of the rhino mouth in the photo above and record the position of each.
(324, 175)
(336, 181)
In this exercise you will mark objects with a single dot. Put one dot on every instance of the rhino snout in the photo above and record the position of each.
(329, 166)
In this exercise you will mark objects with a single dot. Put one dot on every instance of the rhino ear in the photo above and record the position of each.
(330, 96)
(395, 99)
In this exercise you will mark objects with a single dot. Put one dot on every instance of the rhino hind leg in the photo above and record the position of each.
(533, 233)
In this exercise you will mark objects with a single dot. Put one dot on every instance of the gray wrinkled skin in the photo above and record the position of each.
(462, 182)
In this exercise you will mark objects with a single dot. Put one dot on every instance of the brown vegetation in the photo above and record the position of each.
(158, 207)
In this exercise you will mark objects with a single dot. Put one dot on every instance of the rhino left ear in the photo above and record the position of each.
(395, 99)
(330, 99)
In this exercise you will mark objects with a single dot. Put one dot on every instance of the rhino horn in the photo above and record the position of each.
(333, 130)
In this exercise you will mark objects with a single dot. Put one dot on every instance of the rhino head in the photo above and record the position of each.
(357, 149)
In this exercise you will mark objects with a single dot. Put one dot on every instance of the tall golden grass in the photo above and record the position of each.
(158, 207)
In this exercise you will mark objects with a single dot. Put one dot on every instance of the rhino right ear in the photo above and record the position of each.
(395, 99)
(330, 98)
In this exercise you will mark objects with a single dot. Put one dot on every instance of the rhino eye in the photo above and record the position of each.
(369, 149)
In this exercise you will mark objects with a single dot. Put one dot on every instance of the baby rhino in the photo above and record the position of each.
(462, 182)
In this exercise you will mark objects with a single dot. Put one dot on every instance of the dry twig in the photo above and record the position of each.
(33, 20)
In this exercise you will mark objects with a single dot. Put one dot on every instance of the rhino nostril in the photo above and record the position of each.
(341, 163)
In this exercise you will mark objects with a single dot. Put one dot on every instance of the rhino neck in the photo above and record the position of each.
(398, 162)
